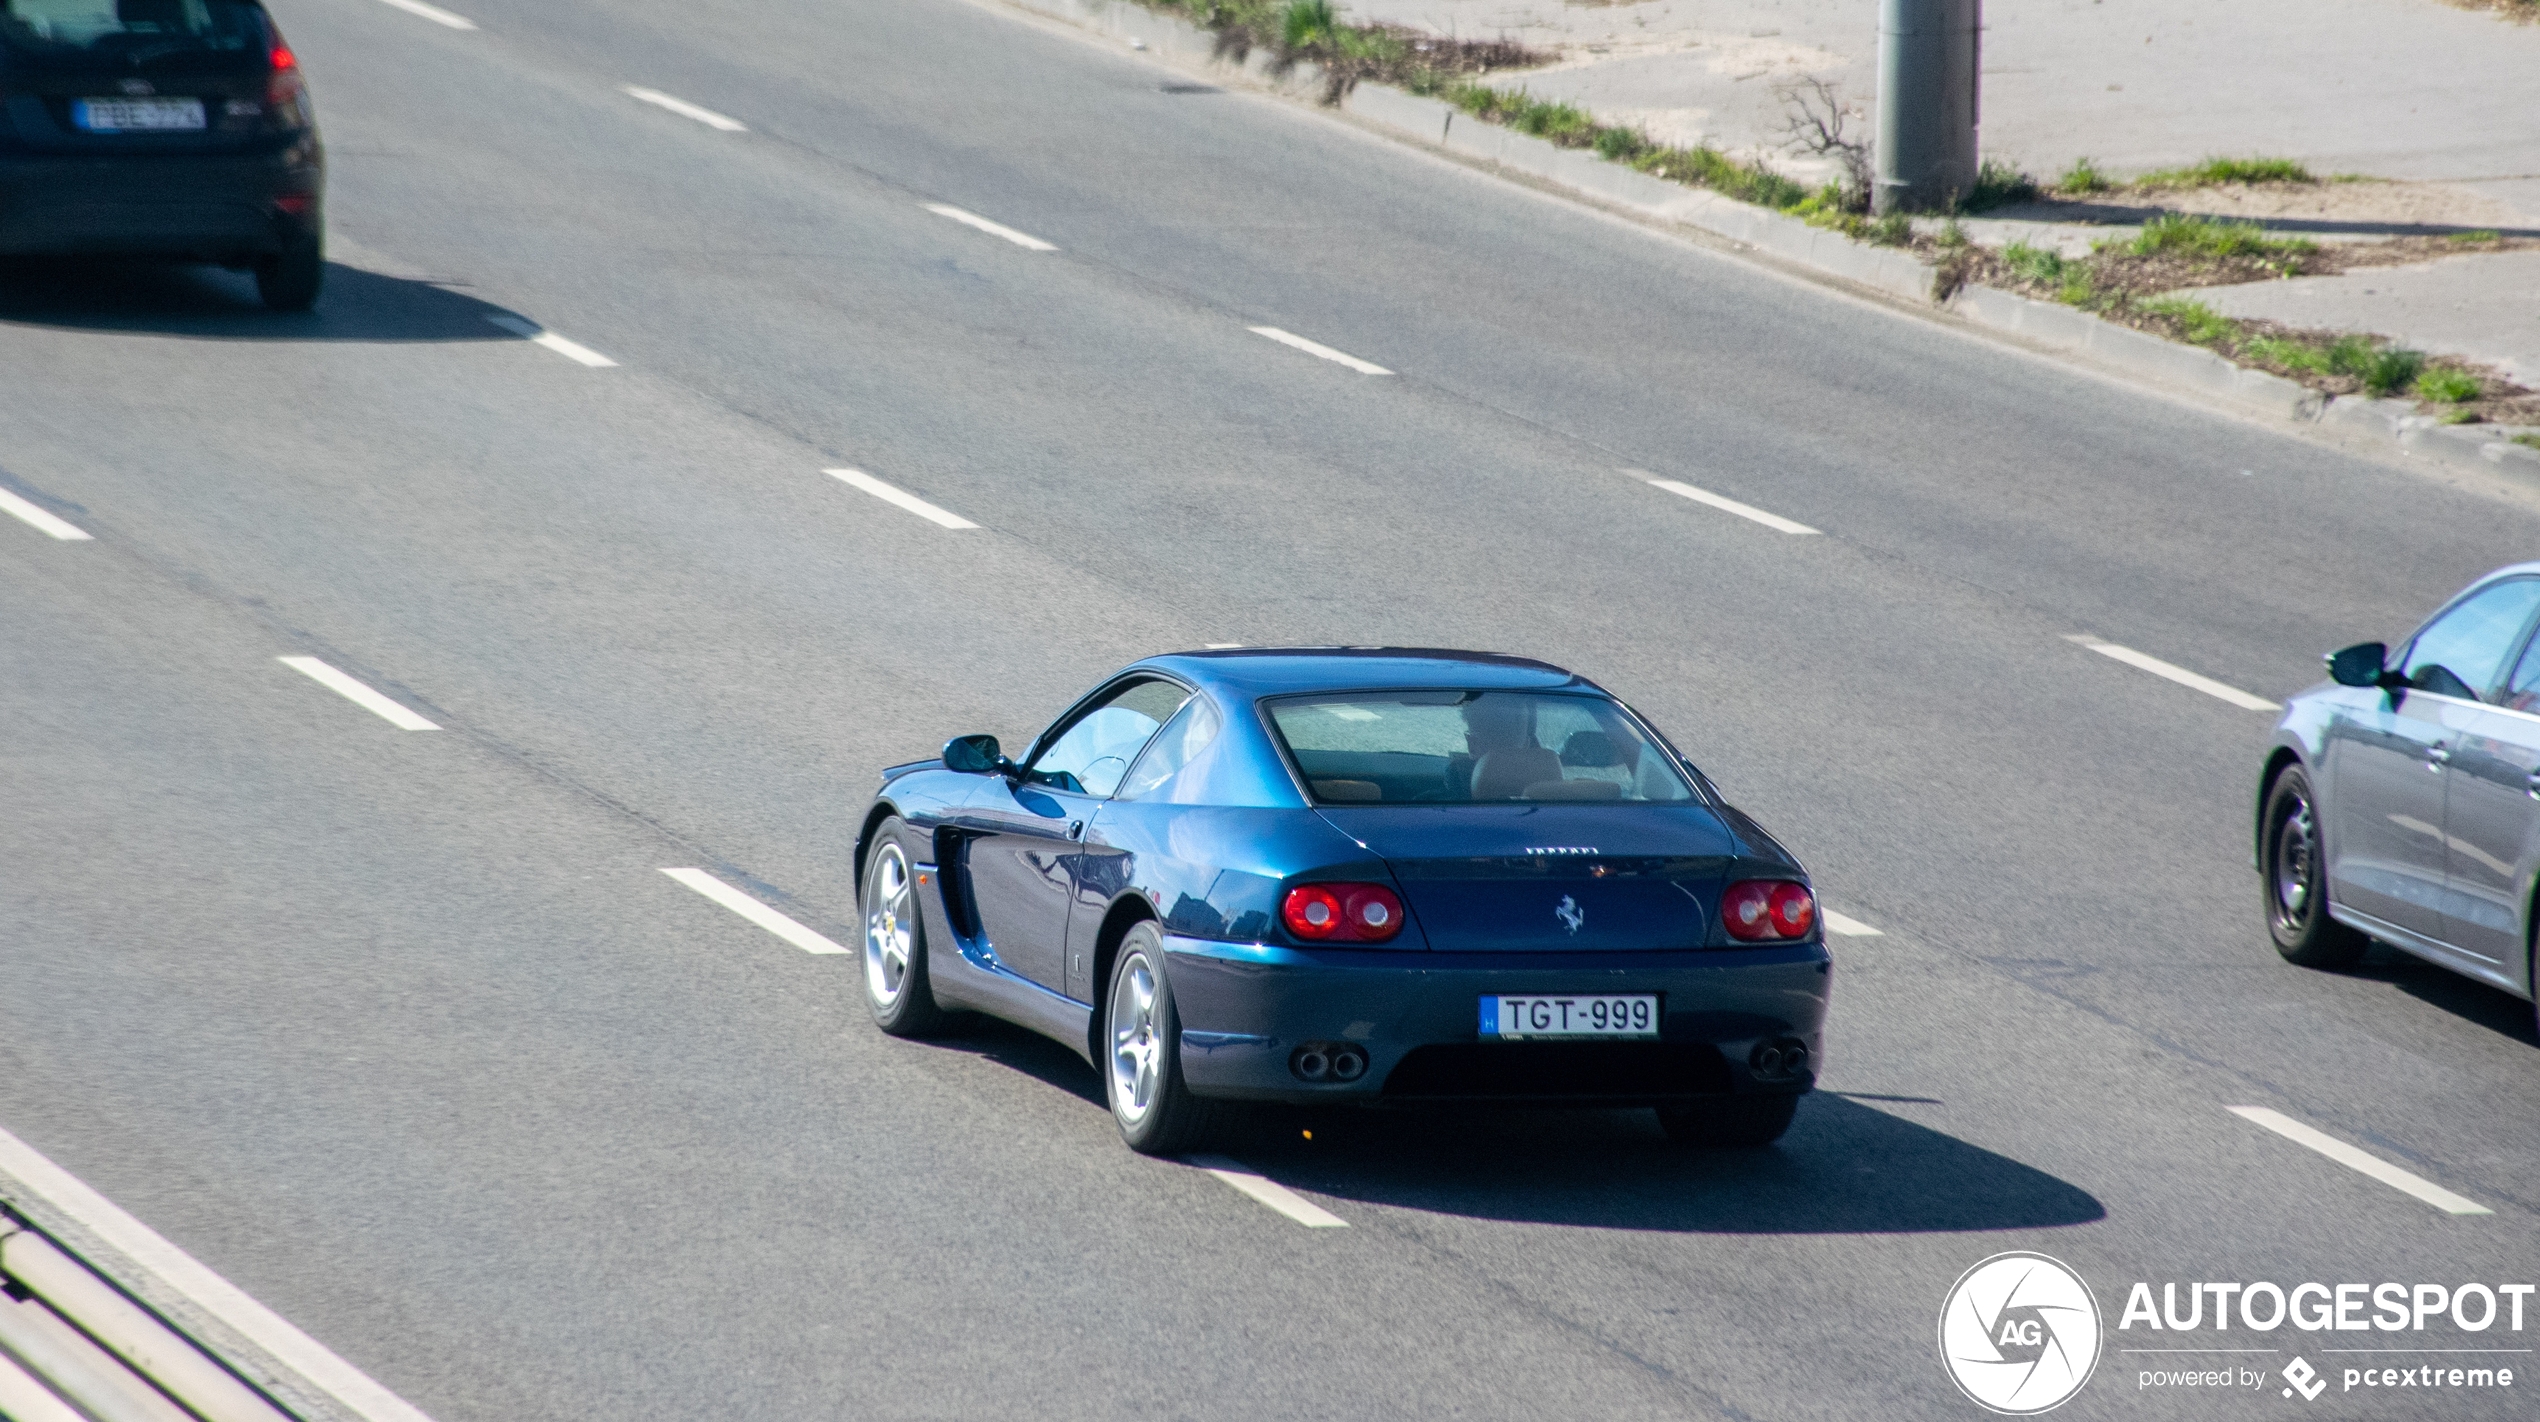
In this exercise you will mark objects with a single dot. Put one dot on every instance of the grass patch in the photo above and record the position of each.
(2084, 177)
(2484, 234)
(2448, 386)
(2215, 172)
(1295, 30)
(2190, 234)
(1998, 183)
(2528, 441)
(2200, 324)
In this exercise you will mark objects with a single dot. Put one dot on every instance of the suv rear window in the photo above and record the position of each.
(129, 31)
(1472, 747)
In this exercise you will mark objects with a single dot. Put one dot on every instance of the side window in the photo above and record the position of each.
(2521, 691)
(1095, 750)
(2464, 651)
(1189, 733)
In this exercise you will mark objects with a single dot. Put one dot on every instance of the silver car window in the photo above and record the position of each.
(2462, 652)
(1185, 736)
(1095, 750)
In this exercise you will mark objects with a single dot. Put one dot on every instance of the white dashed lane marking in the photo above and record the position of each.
(1725, 504)
(894, 494)
(756, 912)
(686, 110)
(2179, 674)
(360, 695)
(39, 520)
(994, 229)
(1270, 1192)
(1317, 348)
(2357, 1160)
(1847, 927)
(434, 13)
(538, 335)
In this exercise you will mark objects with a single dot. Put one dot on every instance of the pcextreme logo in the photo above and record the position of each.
(2019, 1333)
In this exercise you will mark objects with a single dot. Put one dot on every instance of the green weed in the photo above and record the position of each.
(2451, 387)
(2215, 171)
(2528, 441)
(2484, 234)
(1305, 24)
(2035, 263)
(1952, 235)
(2083, 177)
(1997, 183)
(2189, 234)
(2201, 324)
(2392, 370)
(1620, 145)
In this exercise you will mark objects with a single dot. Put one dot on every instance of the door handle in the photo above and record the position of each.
(1075, 829)
(2437, 756)
(2531, 783)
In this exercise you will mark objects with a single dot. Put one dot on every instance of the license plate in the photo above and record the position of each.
(137, 115)
(1574, 1015)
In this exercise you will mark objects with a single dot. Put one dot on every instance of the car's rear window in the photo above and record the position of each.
(129, 31)
(1472, 747)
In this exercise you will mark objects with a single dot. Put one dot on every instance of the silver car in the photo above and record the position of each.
(2401, 799)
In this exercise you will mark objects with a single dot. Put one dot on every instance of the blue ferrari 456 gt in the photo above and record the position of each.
(1377, 876)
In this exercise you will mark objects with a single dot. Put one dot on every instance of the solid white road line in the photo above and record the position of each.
(2178, 674)
(893, 494)
(38, 519)
(684, 109)
(1270, 1192)
(993, 229)
(201, 1287)
(1846, 926)
(360, 695)
(538, 335)
(23, 1399)
(1317, 348)
(434, 13)
(2354, 1159)
(754, 911)
(1728, 505)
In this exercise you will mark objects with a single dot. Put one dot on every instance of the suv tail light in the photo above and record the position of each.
(1763, 910)
(286, 93)
(1342, 913)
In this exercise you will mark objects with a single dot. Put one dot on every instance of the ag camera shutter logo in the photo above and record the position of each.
(2019, 1333)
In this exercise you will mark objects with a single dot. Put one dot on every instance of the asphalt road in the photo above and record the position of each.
(405, 1033)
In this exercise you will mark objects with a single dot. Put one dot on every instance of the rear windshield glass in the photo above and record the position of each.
(1471, 747)
(128, 31)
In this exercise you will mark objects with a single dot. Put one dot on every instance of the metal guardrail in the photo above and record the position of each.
(76, 1348)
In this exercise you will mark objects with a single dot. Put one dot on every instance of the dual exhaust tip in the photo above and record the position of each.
(1779, 1059)
(1328, 1061)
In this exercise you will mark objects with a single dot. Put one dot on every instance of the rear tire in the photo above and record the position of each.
(289, 279)
(1142, 1055)
(1729, 1123)
(2295, 876)
(897, 989)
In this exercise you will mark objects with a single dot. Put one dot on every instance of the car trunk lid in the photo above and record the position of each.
(1552, 878)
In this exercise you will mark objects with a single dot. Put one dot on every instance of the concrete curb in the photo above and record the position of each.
(1897, 275)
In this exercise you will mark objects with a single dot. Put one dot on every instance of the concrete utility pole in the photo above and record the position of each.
(1927, 103)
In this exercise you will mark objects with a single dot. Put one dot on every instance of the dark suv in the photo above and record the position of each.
(165, 128)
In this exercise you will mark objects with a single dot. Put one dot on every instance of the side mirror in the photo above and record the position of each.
(2358, 665)
(974, 755)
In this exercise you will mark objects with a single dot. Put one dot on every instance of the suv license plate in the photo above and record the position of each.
(137, 115)
(1510, 1019)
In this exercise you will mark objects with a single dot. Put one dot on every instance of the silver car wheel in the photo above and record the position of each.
(1137, 1056)
(2296, 867)
(889, 926)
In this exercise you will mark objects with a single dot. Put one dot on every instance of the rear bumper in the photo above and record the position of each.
(210, 206)
(1245, 1008)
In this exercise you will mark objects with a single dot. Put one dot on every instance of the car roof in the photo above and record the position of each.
(1246, 672)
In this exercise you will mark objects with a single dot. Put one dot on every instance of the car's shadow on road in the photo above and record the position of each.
(1846, 1167)
(209, 304)
(2492, 1008)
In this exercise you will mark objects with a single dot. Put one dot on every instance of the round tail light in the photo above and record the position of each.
(1763, 910)
(1342, 913)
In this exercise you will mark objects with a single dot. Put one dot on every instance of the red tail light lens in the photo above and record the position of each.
(1762, 910)
(1342, 913)
(285, 90)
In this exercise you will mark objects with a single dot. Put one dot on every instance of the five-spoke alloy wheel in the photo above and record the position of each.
(1142, 1049)
(895, 982)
